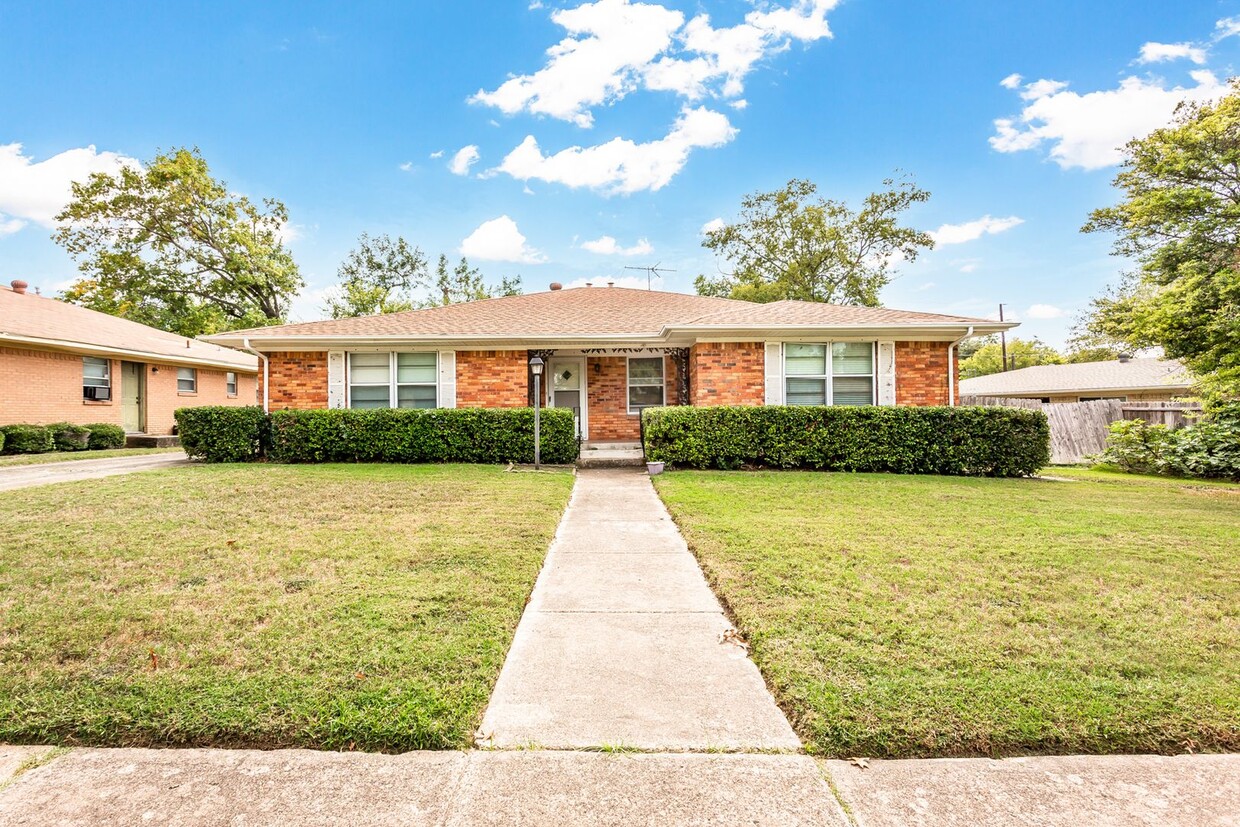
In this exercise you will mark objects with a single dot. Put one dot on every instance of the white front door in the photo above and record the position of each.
(566, 388)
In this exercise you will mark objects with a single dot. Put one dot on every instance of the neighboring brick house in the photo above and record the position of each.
(1125, 378)
(611, 351)
(63, 363)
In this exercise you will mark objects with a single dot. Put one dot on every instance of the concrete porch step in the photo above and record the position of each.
(609, 457)
(152, 441)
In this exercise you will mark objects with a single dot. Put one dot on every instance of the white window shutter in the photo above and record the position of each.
(447, 378)
(886, 373)
(335, 379)
(774, 373)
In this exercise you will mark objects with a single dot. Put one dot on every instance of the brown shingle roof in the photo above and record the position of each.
(1112, 375)
(598, 311)
(34, 320)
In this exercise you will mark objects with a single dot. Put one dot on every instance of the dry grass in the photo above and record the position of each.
(337, 607)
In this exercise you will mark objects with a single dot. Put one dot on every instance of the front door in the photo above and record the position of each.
(567, 389)
(133, 397)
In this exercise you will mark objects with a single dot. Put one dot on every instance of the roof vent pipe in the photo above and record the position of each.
(555, 285)
(589, 284)
(1124, 357)
(611, 283)
(18, 286)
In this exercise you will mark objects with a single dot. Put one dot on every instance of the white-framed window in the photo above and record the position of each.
(645, 382)
(377, 380)
(230, 383)
(187, 380)
(829, 373)
(96, 378)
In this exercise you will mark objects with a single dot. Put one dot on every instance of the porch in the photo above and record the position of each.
(611, 454)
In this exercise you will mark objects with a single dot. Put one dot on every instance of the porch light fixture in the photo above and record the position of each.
(536, 368)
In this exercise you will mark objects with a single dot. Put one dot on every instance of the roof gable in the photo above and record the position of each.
(1111, 375)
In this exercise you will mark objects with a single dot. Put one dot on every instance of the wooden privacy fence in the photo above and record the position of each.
(1080, 428)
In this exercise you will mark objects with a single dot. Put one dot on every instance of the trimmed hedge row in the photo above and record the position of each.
(60, 436)
(956, 441)
(474, 435)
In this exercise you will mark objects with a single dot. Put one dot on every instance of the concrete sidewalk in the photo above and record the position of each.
(622, 642)
(25, 476)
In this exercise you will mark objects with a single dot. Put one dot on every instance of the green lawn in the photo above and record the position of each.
(333, 606)
(68, 456)
(930, 616)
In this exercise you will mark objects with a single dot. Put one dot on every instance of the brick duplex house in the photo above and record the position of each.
(611, 351)
(63, 363)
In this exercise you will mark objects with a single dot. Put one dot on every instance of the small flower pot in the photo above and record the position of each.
(654, 468)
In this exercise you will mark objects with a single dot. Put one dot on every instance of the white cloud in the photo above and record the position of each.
(615, 47)
(968, 267)
(1089, 130)
(8, 226)
(1227, 27)
(739, 104)
(407, 166)
(1012, 81)
(923, 287)
(973, 230)
(620, 165)
(712, 225)
(1159, 52)
(1045, 311)
(607, 246)
(31, 191)
(437, 153)
(499, 240)
(463, 160)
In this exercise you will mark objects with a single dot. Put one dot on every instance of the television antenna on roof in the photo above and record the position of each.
(651, 272)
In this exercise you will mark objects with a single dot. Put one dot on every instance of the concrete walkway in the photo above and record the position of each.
(623, 644)
(24, 476)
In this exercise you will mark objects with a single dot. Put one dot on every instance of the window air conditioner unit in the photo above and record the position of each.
(98, 394)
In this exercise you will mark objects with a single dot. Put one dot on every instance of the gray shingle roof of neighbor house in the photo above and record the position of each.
(1114, 375)
(600, 312)
(40, 322)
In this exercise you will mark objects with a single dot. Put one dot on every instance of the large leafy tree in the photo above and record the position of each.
(1021, 353)
(168, 245)
(1180, 220)
(464, 283)
(380, 275)
(791, 244)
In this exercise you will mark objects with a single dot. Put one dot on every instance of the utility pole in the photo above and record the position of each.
(651, 272)
(1003, 339)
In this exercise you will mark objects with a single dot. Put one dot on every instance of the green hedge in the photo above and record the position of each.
(478, 435)
(27, 439)
(970, 441)
(219, 433)
(105, 435)
(70, 437)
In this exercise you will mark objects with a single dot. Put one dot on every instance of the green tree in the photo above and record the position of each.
(168, 245)
(380, 275)
(1180, 220)
(789, 244)
(463, 283)
(1022, 353)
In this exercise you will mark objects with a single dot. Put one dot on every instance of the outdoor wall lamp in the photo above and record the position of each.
(536, 368)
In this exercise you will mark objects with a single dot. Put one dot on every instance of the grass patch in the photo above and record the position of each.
(68, 456)
(902, 616)
(333, 607)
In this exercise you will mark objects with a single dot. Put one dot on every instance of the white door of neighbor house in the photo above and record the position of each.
(566, 388)
(133, 397)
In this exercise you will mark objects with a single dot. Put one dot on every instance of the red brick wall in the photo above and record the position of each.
(921, 373)
(491, 379)
(298, 380)
(46, 386)
(727, 373)
(608, 394)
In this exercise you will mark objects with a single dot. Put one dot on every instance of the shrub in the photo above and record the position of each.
(105, 435)
(1, 441)
(1210, 448)
(996, 442)
(69, 437)
(27, 439)
(222, 433)
(478, 435)
(1137, 447)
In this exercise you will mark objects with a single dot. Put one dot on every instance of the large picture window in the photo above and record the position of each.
(829, 373)
(645, 383)
(387, 380)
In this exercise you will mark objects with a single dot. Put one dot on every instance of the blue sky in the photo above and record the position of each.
(354, 114)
